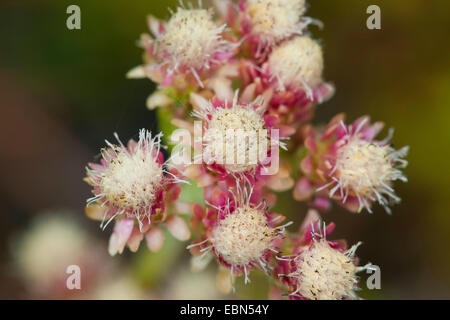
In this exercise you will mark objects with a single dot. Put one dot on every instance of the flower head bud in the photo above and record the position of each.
(54, 241)
(365, 167)
(239, 230)
(239, 129)
(230, 120)
(130, 178)
(191, 40)
(243, 236)
(324, 273)
(275, 20)
(297, 63)
(130, 186)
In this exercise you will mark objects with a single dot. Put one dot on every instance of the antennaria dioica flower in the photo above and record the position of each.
(249, 67)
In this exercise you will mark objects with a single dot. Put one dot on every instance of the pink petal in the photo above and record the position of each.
(198, 212)
(351, 204)
(120, 236)
(167, 80)
(286, 131)
(178, 228)
(311, 144)
(155, 239)
(372, 131)
(135, 239)
(271, 120)
(312, 216)
(322, 203)
(155, 26)
(307, 165)
(303, 189)
(324, 92)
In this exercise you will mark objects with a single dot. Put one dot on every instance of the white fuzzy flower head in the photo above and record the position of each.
(297, 63)
(274, 20)
(54, 242)
(191, 39)
(130, 177)
(131, 180)
(243, 236)
(367, 170)
(324, 273)
(226, 132)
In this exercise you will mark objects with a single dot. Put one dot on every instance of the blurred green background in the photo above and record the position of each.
(63, 92)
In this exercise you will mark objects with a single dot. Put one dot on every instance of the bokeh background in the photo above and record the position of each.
(63, 92)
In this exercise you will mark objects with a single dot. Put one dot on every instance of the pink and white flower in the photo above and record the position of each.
(355, 168)
(295, 66)
(239, 230)
(265, 23)
(184, 48)
(319, 269)
(132, 186)
(225, 124)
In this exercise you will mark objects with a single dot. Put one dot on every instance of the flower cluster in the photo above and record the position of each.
(242, 82)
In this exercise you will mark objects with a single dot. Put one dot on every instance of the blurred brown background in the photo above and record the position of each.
(63, 92)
